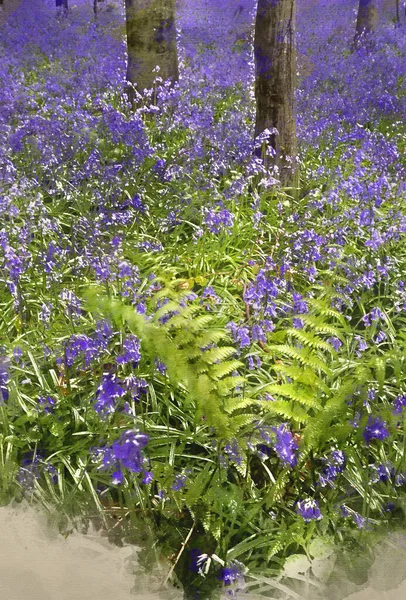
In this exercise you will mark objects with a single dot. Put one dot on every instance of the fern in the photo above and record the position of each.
(199, 375)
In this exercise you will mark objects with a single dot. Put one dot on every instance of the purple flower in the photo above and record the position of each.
(298, 323)
(232, 573)
(358, 519)
(355, 421)
(107, 393)
(218, 220)
(380, 337)
(400, 479)
(131, 352)
(308, 509)
(299, 305)
(233, 452)
(148, 477)
(136, 386)
(375, 429)
(335, 342)
(334, 466)
(240, 334)
(160, 366)
(399, 404)
(362, 345)
(4, 367)
(258, 334)
(47, 404)
(17, 354)
(382, 472)
(117, 478)
(285, 445)
(179, 483)
(127, 450)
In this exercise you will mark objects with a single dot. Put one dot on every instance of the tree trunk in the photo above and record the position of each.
(275, 81)
(397, 12)
(151, 42)
(367, 18)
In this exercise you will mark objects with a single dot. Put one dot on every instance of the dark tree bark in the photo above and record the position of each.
(397, 12)
(151, 42)
(367, 18)
(275, 81)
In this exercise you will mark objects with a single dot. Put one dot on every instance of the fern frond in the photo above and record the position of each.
(215, 355)
(302, 375)
(219, 371)
(285, 409)
(294, 392)
(321, 327)
(226, 385)
(310, 340)
(303, 356)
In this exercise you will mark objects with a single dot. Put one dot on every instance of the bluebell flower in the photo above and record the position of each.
(285, 445)
(132, 353)
(355, 421)
(380, 337)
(375, 429)
(400, 479)
(180, 481)
(233, 451)
(147, 478)
(335, 343)
(117, 478)
(399, 404)
(334, 466)
(309, 509)
(235, 571)
(106, 396)
(4, 377)
(47, 404)
(240, 334)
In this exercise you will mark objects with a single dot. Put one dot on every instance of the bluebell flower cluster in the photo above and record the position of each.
(285, 445)
(124, 453)
(107, 394)
(375, 429)
(309, 509)
(335, 465)
(132, 352)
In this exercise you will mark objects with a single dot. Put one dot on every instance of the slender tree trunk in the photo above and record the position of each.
(275, 81)
(151, 42)
(397, 11)
(367, 18)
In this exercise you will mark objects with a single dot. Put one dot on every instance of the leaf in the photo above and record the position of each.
(296, 564)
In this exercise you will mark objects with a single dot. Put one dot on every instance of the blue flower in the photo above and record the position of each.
(4, 366)
(382, 472)
(399, 404)
(235, 571)
(148, 477)
(107, 393)
(335, 342)
(309, 509)
(47, 404)
(375, 429)
(285, 445)
(334, 466)
(240, 334)
(131, 352)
